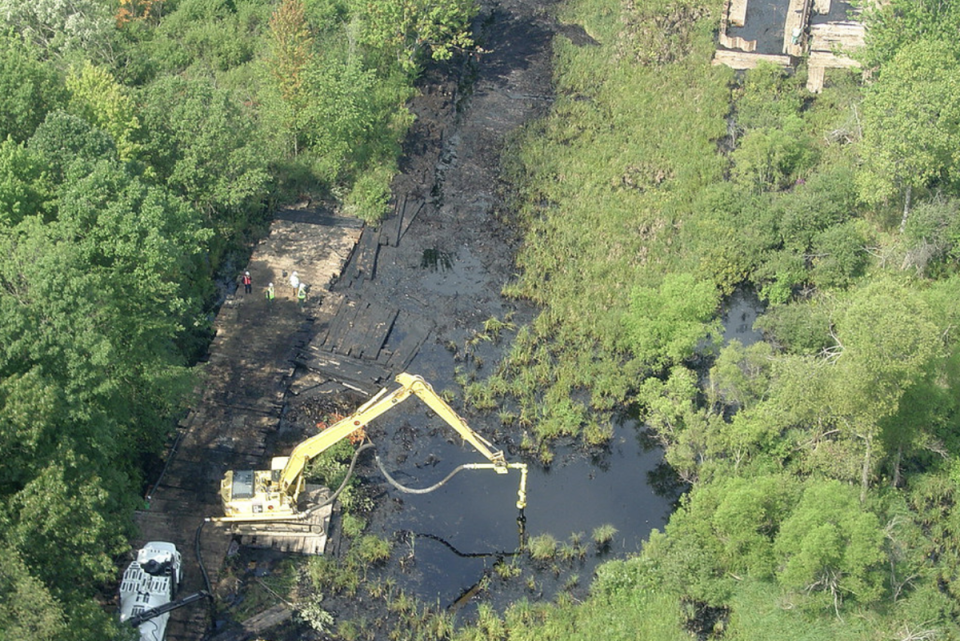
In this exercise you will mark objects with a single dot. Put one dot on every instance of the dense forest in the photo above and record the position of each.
(144, 142)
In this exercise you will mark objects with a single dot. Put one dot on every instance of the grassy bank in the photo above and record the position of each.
(604, 185)
(821, 459)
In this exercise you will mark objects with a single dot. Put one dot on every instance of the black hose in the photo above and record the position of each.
(521, 518)
(333, 497)
(409, 490)
(465, 555)
(203, 571)
(166, 464)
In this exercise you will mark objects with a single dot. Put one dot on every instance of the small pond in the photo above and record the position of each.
(449, 539)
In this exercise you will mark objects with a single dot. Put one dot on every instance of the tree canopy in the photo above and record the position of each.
(140, 145)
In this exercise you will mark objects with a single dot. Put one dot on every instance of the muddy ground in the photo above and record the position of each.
(448, 270)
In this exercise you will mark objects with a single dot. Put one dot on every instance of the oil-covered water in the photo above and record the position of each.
(446, 541)
(450, 537)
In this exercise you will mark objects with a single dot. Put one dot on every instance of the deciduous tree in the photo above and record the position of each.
(411, 28)
(27, 608)
(206, 147)
(911, 125)
(29, 89)
(62, 27)
(24, 185)
(98, 98)
(665, 324)
(832, 546)
(291, 54)
(895, 23)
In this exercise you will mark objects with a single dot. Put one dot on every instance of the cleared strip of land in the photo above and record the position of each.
(244, 384)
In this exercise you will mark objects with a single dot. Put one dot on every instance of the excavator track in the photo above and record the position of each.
(307, 535)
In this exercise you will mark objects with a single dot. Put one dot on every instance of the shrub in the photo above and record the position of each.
(313, 614)
(603, 535)
(370, 195)
(543, 547)
(373, 549)
(352, 525)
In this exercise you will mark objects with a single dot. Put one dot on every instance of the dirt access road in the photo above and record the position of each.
(446, 272)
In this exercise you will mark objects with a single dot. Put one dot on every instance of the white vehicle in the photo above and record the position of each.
(151, 582)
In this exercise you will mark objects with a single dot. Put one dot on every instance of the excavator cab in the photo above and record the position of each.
(252, 499)
(254, 493)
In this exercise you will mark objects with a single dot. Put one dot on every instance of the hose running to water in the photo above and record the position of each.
(333, 497)
(410, 490)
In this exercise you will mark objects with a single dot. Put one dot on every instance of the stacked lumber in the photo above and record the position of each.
(831, 35)
(364, 343)
(826, 41)
(815, 79)
(831, 61)
(798, 13)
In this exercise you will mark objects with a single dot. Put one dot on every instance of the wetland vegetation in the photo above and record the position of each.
(143, 140)
(822, 459)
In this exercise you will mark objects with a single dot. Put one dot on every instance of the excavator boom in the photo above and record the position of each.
(272, 494)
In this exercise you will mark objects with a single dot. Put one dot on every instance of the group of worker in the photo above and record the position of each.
(299, 288)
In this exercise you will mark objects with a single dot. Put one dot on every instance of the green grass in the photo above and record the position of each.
(543, 548)
(372, 549)
(353, 525)
(603, 535)
(601, 193)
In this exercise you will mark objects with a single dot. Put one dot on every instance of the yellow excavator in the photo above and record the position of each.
(272, 495)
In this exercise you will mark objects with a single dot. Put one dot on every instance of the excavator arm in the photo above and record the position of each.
(425, 393)
(382, 402)
(272, 494)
